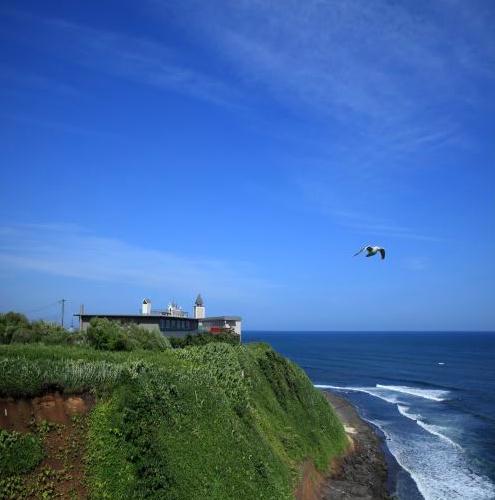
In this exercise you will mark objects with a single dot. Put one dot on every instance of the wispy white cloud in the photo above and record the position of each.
(14, 78)
(368, 224)
(134, 58)
(142, 61)
(57, 126)
(390, 73)
(366, 220)
(68, 250)
(382, 80)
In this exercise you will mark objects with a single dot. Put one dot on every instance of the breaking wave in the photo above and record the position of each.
(372, 391)
(439, 470)
(432, 429)
(390, 393)
(431, 394)
(438, 466)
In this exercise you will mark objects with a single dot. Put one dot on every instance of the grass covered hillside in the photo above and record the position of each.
(214, 421)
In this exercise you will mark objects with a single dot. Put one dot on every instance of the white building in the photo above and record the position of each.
(199, 308)
(173, 309)
(146, 307)
(173, 321)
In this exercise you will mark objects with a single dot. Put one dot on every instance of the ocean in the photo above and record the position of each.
(430, 395)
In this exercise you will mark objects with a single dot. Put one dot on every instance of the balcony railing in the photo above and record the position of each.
(175, 314)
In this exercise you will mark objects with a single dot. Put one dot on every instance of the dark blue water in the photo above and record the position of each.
(432, 395)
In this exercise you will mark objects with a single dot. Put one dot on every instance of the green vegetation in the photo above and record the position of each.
(109, 335)
(213, 421)
(204, 338)
(102, 334)
(16, 328)
(23, 472)
(19, 453)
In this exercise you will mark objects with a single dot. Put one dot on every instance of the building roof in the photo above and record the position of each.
(113, 315)
(199, 301)
(220, 318)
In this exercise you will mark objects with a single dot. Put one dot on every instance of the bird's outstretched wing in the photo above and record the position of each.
(382, 252)
(357, 253)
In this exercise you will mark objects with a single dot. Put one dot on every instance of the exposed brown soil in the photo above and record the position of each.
(311, 482)
(361, 474)
(20, 414)
(62, 423)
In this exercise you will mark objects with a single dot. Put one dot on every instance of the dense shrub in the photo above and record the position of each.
(15, 328)
(278, 370)
(21, 378)
(142, 338)
(215, 421)
(43, 332)
(174, 434)
(10, 324)
(216, 426)
(102, 334)
(107, 335)
(204, 338)
(19, 452)
(223, 363)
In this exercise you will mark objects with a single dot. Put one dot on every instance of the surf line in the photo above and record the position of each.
(377, 391)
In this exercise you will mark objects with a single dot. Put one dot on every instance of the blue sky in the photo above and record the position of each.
(246, 150)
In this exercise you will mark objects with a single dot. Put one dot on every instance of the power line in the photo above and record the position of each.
(52, 315)
(36, 309)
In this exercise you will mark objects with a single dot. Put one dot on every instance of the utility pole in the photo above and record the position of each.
(81, 312)
(63, 311)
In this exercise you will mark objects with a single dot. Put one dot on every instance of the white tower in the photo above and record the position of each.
(199, 308)
(146, 306)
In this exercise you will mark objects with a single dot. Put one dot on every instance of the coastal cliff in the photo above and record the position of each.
(361, 474)
(214, 421)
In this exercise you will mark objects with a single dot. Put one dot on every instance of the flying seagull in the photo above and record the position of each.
(370, 251)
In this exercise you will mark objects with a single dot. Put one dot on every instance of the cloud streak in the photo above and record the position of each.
(68, 250)
(29, 80)
(366, 222)
(133, 58)
(142, 61)
(390, 74)
(369, 225)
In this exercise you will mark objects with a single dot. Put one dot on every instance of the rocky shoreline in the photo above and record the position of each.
(362, 473)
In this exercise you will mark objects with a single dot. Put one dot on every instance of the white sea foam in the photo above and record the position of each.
(386, 392)
(439, 467)
(436, 430)
(381, 392)
(338, 387)
(404, 411)
(431, 394)
(372, 391)
(439, 470)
